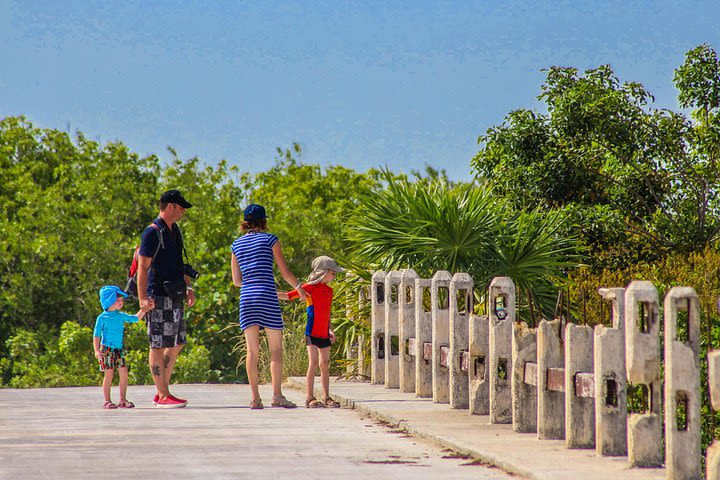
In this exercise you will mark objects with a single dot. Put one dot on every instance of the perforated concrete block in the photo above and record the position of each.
(501, 298)
(551, 403)
(407, 331)
(423, 333)
(392, 329)
(479, 344)
(682, 384)
(461, 304)
(524, 378)
(610, 379)
(377, 326)
(440, 294)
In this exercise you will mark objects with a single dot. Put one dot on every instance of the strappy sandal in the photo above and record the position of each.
(281, 401)
(256, 405)
(126, 404)
(109, 405)
(313, 403)
(331, 403)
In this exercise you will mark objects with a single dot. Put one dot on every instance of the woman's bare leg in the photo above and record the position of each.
(276, 360)
(252, 342)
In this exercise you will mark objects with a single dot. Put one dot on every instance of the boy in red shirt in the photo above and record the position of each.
(318, 334)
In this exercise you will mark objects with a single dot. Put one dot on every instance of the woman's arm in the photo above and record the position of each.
(236, 273)
(285, 271)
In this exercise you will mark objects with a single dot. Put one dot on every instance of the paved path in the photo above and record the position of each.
(64, 434)
(520, 453)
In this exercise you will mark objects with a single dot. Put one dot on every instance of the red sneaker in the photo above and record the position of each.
(155, 399)
(169, 402)
(178, 399)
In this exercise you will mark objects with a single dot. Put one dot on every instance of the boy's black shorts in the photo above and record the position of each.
(317, 341)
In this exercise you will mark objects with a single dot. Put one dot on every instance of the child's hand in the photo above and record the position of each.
(282, 295)
(98, 354)
(301, 293)
(332, 337)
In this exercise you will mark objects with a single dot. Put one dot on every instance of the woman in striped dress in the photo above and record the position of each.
(252, 271)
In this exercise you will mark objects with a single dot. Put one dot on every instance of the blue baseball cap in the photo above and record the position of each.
(254, 212)
(108, 295)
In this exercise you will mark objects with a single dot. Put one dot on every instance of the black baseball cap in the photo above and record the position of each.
(254, 212)
(174, 196)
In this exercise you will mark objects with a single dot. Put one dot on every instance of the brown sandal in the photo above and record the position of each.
(281, 401)
(108, 405)
(126, 404)
(256, 405)
(331, 403)
(313, 403)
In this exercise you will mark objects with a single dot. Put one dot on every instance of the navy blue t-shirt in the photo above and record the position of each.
(168, 264)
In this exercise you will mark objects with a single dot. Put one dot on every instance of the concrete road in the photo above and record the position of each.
(63, 433)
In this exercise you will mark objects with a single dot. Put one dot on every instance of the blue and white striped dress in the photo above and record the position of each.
(258, 295)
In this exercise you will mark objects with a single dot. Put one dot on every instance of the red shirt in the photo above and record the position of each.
(319, 304)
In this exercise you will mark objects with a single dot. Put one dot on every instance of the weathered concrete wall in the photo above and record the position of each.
(713, 451)
(392, 329)
(551, 403)
(642, 362)
(377, 326)
(524, 378)
(440, 336)
(501, 298)
(461, 304)
(579, 391)
(610, 379)
(682, 384)
(423, 335)
(407, 331)
(479, 379)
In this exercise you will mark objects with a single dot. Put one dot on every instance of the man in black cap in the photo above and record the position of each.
(161, 276)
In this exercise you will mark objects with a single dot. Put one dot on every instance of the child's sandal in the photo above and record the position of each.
(109, 405)
(331, 403)
(256, 405)
(281, 401)
(126, 404)
(313, 403)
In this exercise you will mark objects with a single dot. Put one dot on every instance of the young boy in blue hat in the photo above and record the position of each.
(108, 341)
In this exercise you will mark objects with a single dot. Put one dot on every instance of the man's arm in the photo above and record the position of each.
(142, 280)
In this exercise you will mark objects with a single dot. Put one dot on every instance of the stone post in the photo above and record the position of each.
(408, 349)
(551, 381)
(392, 329)
(363, 367)
(440, 294)
(423, 340)
(501, 301)
(352, 352)
(713, 451)
(377, 328)
(611, 379)
(524, 378)
(682, 384)
(461, 305)
(642, 362)
(579, 387)
(479, 356)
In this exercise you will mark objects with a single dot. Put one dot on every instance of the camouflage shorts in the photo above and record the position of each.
(166, 323)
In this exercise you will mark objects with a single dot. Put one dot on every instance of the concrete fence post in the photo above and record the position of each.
(440, 295)
(524, 378)
(351, 355)
(682, 384)
(461, 305)
(551, 381)
(377, 327)
(479, 379)
(392, 329)
(501, 302)
(713, 451)
(611, 379)
(579, 387)
(423, 338)
(642, 362)
(408, 350)
(363, 367)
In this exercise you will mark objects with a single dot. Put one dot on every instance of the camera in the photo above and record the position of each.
(190, 271)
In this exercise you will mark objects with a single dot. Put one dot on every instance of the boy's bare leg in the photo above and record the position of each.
(157, 369)
(107, 383)
(312, 368)
(252, 345)
(325, 371)
(276, 361)
(123, 372)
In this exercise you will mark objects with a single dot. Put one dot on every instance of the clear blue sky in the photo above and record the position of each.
(362, 84)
